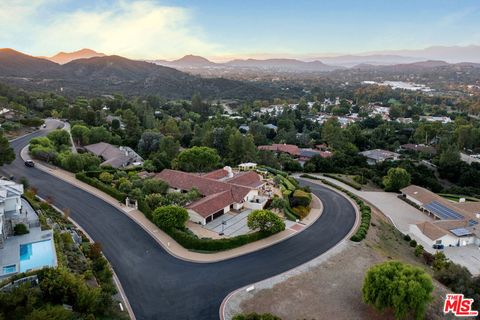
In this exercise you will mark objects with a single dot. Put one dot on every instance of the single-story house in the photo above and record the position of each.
(455, 223)
(222, 191)
(378, 155)
(117, 157)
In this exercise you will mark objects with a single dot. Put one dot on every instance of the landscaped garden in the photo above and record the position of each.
(81, 287)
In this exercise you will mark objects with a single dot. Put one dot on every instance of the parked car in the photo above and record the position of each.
(44, 125)
(30, 163)
(438, 246)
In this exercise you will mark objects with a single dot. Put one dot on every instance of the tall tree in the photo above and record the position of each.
(403, 288)
(6, 152)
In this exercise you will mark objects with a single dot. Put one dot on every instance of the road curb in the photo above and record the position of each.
(346, 238)
(166, 246)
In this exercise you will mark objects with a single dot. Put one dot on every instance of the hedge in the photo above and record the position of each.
(120, 196)
(191, 242)
(275, 171)
(300, 198)
(365, 210)
(352, 184)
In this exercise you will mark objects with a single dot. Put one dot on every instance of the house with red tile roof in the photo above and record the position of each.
(301, 154)
(222, 191)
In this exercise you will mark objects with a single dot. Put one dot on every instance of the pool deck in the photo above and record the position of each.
(10, 253)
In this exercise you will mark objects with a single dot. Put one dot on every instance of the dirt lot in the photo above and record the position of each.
(332, 289)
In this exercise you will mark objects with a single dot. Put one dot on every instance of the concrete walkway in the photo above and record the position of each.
(165, 240)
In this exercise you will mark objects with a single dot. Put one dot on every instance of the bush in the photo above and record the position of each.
(418, 250)
(20, 229)
(192, 242)
(120, 196)
(407, 238)
(413, 243)
(170, 217)
(265, 221)
(352, 184)
(300, 198)
(255, 316)
(106, 177)
(301, 211)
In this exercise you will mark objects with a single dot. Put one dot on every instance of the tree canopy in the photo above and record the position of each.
(404, 288)
(265, 221)
(396, 179)
(197, 159)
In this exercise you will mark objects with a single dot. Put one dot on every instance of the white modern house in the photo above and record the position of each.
(10, 207)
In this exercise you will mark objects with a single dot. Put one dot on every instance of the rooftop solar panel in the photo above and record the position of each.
(472, 222)
(460, 232)
(443, 212)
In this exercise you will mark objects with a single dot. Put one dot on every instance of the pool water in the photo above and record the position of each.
(36, 255)
(9, 269)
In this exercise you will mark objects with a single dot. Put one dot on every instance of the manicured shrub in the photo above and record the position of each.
(301, 211)
(120, 196)
(169, 217)
(300, 198)
(413, 243)
(265, 221)
(255, 316)
(407, 238)
(20, 229)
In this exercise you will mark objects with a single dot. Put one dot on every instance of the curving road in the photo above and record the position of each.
(160, 286)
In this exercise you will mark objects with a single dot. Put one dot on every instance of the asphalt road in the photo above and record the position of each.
(160, 286)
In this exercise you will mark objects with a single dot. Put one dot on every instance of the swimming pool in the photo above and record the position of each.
(36, 255)
(9, 269)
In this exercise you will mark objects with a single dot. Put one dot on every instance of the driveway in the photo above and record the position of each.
(400, 213)
(160, 286)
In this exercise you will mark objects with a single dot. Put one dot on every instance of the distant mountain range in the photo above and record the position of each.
(103, 74)
(66, 57)
(281, 65)
(115, 74)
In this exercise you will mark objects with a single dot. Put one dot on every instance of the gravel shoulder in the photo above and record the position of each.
(329, 287)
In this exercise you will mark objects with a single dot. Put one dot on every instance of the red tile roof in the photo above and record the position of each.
(248, 179)
(217, 194)
(212, 203)
(287, 148)
(217, 174)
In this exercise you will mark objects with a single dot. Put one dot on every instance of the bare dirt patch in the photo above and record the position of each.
(332, 289)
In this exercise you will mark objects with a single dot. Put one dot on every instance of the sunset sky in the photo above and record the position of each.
(170, 29)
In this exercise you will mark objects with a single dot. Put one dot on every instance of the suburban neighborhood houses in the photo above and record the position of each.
(454, 224)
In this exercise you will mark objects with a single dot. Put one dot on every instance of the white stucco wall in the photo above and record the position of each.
(195, 217)
(414, 200)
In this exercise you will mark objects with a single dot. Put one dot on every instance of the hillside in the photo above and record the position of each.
(17, 64)
(115, 74)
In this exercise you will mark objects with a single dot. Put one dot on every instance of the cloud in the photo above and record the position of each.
(139, 29)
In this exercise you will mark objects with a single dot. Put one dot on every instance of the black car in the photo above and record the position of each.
(30, 163)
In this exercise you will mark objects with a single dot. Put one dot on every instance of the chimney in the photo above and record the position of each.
(229, 171)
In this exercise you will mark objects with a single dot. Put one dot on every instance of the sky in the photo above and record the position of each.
(222, 29)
